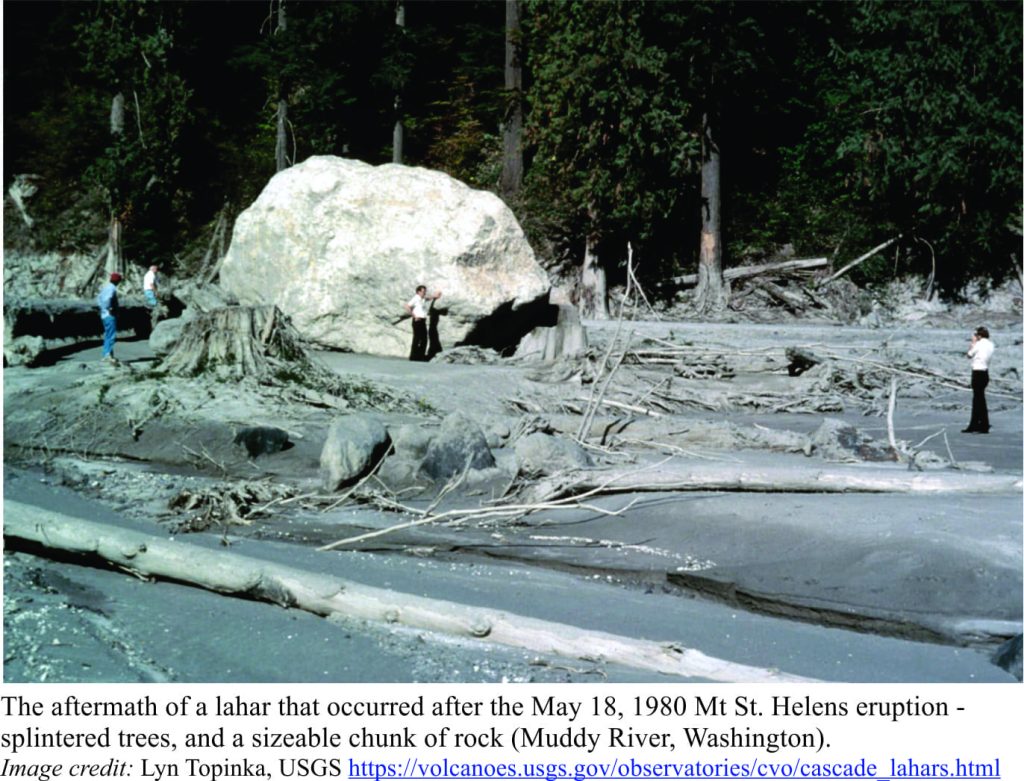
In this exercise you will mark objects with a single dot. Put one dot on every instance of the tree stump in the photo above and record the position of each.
(237, 341)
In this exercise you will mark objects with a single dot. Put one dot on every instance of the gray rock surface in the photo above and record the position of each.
(410, 440)
(355, 443)
(458, 442)
(165, 335)
(540, 454)
(836, 440)
(23, 350)
(339, 245)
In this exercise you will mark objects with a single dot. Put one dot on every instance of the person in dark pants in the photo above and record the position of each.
(417, 307)
(980, 355)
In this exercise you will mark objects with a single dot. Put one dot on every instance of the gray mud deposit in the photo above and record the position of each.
(908, 568)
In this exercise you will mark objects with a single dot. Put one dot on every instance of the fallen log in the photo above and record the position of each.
(329, 596)
(792, 303)
(861, 259)
(772, 479)
(742, 272)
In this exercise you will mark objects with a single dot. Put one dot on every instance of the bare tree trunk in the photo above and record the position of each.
(115, 257)
(117, 115)
(711, 295)
(281, 145)
(398, 135)
(593, 301)
(512, 127)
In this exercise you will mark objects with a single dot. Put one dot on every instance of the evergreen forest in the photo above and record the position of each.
(824, 127)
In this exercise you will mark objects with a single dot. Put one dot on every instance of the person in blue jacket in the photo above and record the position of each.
(107, 301)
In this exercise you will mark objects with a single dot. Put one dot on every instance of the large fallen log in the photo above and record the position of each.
(767, 269)
(669, 476)
(327, 595)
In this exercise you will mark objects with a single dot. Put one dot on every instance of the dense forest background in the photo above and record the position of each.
(829, 127)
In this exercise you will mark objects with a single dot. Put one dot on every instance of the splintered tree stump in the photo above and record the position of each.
(235, 342)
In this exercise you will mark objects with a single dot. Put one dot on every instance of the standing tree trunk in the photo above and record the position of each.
(115, 257)
(512, 127)
(593, 301)
(398, 134)
(711, 294)
(281, 145)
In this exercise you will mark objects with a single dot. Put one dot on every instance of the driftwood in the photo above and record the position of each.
(773, 479)
(603, 381)
(791, 302)
(209, 268)
(329, 596)
(861, 259)
(890, 414)
(767, 269)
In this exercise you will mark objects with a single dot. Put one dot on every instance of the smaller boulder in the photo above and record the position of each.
(355, 444)
(165, 336)
(411, 441)
(541, 454)
(457, 443)
(23, 350)
(835, 440)
(262, 440)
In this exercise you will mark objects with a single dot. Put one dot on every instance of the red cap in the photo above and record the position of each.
(115, 277)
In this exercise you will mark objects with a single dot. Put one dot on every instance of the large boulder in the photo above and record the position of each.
(339, 245)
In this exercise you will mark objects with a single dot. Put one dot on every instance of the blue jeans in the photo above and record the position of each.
(150, 297)
(109, 334)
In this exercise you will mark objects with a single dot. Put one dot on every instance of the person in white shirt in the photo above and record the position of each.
(980, 355)
(417, 307)
(149, 285)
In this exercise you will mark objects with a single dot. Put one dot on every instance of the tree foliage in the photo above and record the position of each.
(839, 124)
(129, 51)
(608, 128)
(922, 128)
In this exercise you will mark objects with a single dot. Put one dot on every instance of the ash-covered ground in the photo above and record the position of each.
(834, 525)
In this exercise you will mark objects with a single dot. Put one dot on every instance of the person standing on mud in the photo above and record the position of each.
(107, 301)
(149, 291)
(980, 355)
(149, 286)
(416, 306)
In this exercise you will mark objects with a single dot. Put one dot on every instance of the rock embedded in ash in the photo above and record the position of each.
(354, 446)
(800, 360)
(165, 336)
(340, 245)
(835, 440)
(541, 454)
(411, 441)
(23, 350)
(262, 440)
(458, 443)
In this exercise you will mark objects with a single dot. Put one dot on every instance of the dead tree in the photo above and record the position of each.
(235, 342)
(329, 596)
